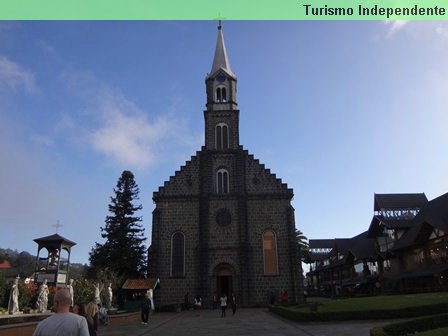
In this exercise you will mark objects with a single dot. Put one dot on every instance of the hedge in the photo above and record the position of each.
(295, 315)
(412, 326)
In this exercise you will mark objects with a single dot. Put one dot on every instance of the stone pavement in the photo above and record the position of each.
(253, 321)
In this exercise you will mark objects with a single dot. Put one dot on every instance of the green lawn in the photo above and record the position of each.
(380, 302)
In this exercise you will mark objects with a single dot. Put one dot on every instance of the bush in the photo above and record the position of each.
(410, 327)
(28, 294)
(295, 315)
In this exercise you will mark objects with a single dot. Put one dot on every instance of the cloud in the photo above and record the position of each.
(118, 128)
(13, 76)
(395, 26)
(126, 135)
(442, 31)
(7, 28)
(42, 140)
(418, 29)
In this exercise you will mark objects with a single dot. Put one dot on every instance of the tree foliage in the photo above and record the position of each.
(22, 262)
(302, 243)
(123, 253)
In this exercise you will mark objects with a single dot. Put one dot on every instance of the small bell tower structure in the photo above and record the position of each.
(53, 260)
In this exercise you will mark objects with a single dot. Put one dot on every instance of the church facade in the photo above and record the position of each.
(223, 223)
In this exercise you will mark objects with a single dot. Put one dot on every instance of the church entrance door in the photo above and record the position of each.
(224, 282)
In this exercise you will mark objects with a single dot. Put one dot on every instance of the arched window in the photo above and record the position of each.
(222, 181)
(270, 253)
(221, 94)
(177, 255)
(222, 136)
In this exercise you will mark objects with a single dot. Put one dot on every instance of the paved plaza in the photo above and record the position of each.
(258, 322)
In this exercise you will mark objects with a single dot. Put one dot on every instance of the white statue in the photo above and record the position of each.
(151, 299)
(42, 299)
(70, 289)
(96, 295)
(13, 306)
(109, 296)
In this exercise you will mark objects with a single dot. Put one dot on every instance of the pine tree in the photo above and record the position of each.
(123, 253)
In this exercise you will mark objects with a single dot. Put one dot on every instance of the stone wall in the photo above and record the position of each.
(257, 201)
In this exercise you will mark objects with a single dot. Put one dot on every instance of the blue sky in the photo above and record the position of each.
(338, 110)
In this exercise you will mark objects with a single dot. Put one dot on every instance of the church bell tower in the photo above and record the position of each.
(221, 114)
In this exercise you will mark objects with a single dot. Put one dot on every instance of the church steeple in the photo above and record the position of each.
(220, 60)
(221, 115)
(221, 81)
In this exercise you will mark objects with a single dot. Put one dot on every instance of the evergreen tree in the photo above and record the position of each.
(123, 253)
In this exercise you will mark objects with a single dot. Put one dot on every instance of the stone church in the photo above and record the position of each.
(224, 223)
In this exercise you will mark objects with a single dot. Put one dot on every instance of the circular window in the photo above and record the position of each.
(223, 217)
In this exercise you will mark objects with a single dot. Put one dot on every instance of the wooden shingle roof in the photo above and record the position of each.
(139, 284)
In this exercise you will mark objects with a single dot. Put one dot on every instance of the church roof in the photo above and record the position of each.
(54, 239)
(220, 60)
(260, 180)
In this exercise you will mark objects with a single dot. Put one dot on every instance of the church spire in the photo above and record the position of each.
(220, 60)
(222, 114)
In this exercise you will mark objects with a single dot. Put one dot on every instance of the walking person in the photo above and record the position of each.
(198, 305)
(233, 303)
(91, 312)
(102, 315)
(79, 309)
(63, 323)
(223, 300)
(146, 307)
(215, 301)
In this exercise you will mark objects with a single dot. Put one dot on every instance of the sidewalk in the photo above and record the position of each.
(258, 322)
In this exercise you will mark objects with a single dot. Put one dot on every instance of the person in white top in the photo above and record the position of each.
(63, 323)
(223, 300)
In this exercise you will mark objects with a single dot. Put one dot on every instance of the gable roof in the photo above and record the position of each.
(394, 202)
(313, 244)
(260, 181)
(53, 240)
(359, 246)
(362, 247)
(181, 183)
(433, 216)
(399, 201)
(5, 264)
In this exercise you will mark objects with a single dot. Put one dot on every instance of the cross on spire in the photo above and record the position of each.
(219, 18)
(57, 225)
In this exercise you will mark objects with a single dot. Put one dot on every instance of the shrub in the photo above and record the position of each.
(295, 315)
(28, 294)
(410, 327)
